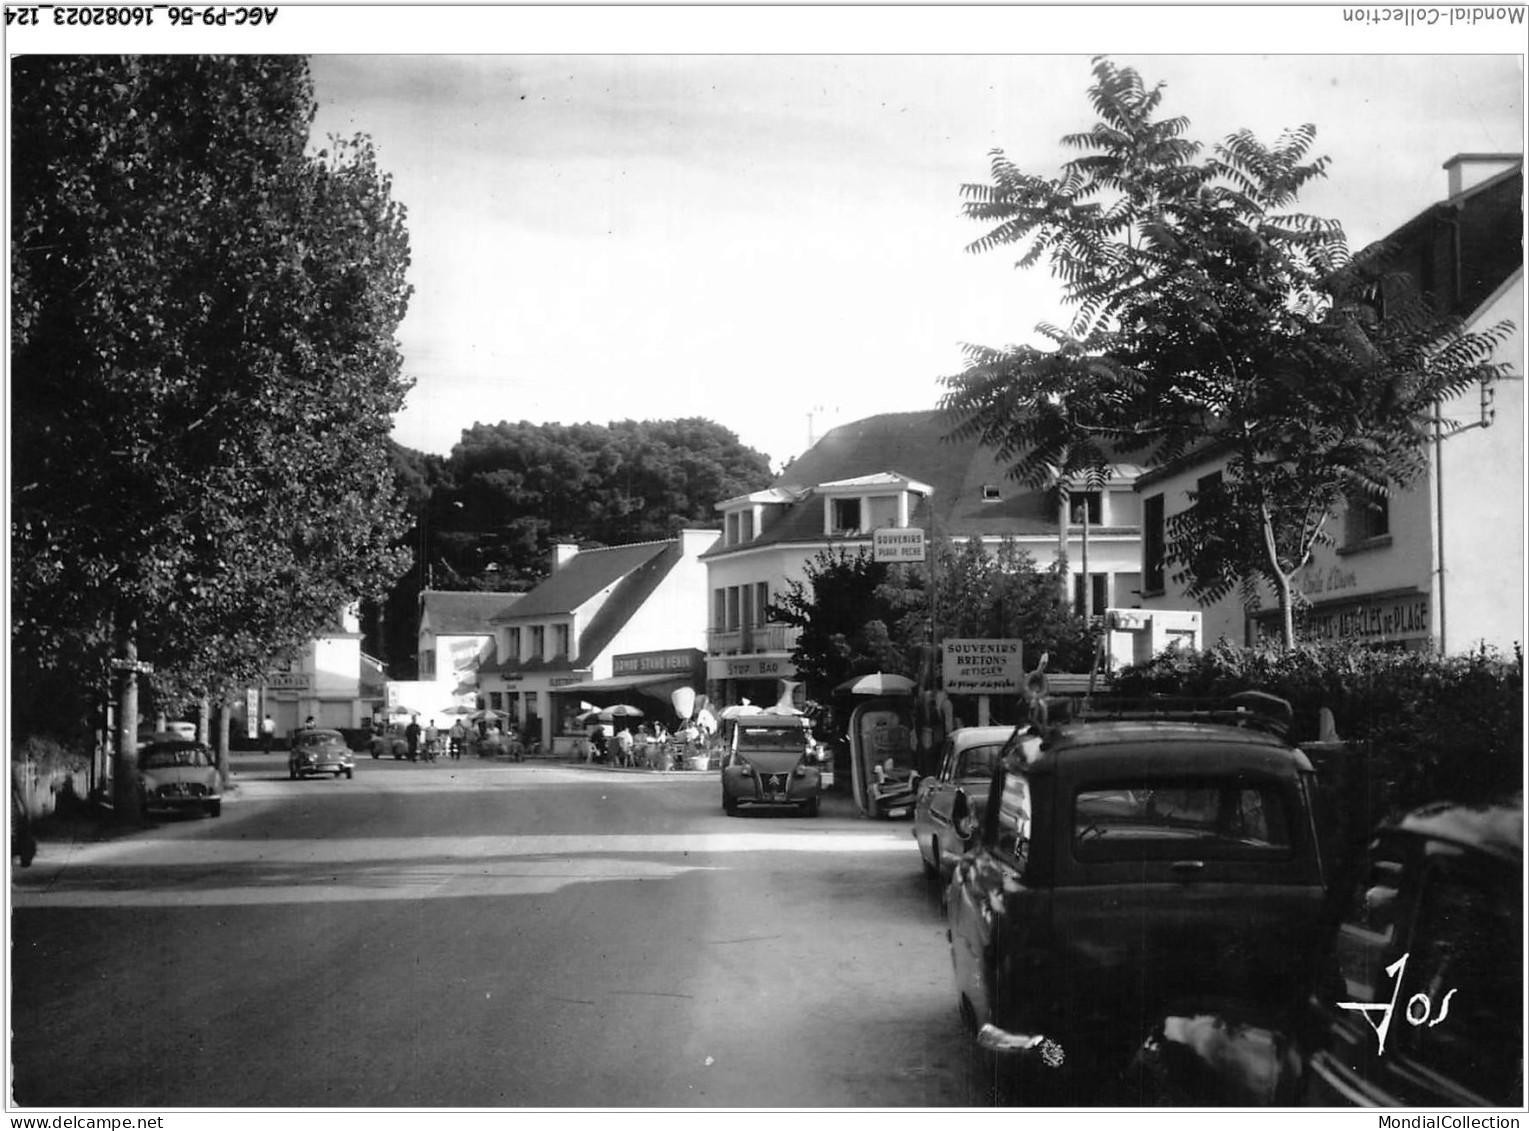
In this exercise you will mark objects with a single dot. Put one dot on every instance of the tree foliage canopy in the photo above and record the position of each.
(857, 615)
(203, 366)
(509, 491)
(1208, 312)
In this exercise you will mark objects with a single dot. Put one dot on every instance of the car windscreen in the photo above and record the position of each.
(318, 738)
(771, 738)
(169, 757)
(979, 761)
(1203, 818)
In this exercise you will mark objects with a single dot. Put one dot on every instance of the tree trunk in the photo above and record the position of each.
(1281, 581)
(220, 746)
(125, 771)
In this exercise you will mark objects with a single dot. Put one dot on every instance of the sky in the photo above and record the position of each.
(754, 215)
(776, 242)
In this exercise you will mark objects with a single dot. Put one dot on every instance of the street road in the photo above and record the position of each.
(481, 935)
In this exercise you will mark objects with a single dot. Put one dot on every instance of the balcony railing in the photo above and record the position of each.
(755, 638)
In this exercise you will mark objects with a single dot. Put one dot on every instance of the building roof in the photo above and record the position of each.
(890, 448)
(581, 577)
(452, 613)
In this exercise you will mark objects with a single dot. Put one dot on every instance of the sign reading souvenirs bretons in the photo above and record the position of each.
(897, 544)
(984, 667)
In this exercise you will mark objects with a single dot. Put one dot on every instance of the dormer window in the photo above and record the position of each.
(990, 493)
(846, 515)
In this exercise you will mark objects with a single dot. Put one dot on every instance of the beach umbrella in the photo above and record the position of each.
(737, 709)
(609, 714)
(488, 715)
(457, 711)
(877, 683)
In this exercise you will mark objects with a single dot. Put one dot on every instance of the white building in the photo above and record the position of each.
(896, 471)
(1440, 565)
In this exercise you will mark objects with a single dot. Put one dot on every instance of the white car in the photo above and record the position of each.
(967, 760)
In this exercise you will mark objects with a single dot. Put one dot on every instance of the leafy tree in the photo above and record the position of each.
(843, 610)
(857, 615)
(1209, 314)
(515, 489)
(203, 367)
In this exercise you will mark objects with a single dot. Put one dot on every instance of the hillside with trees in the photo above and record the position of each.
(486, 516)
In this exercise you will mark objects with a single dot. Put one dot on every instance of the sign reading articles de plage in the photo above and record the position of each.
(984, 667)
(897, 544)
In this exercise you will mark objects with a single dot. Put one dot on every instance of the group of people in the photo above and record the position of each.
(640, 746)
(429, 742)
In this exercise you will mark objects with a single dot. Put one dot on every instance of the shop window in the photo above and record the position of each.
(1152, 544)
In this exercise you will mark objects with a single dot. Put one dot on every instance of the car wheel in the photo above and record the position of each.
(729, 804)
(931, 870)
(215, 809)
(810, 808)
(350, 772)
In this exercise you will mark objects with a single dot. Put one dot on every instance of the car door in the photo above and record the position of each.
(931, 813)
(995, 917)
(1431, 943)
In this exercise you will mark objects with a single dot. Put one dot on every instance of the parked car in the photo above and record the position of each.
(319, 751)
(967, 761)
(1418, 999)
(178, 774)
(772, 762)
(1121, 866)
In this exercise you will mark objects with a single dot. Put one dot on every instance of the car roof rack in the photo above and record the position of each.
(1257, 710)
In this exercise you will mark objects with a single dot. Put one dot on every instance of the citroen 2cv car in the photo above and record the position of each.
(772, 762)
(1122, 865)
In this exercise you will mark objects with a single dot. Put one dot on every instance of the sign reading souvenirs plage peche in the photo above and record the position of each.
(897, 544)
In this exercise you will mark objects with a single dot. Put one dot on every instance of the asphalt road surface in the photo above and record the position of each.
(483, 935)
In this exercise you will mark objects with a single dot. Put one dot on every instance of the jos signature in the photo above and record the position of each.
(1419, 1006)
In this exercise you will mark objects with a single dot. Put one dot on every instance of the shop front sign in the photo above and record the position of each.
(679, 661)
(983, 667)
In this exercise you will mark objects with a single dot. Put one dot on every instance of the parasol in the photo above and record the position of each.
(877, 683)
(737, 709)
(607, 714)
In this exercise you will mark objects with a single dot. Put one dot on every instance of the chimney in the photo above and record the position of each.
(1467, 170)
(562, 554)
(694, 543)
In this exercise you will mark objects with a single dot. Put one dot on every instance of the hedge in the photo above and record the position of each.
(1425, 727)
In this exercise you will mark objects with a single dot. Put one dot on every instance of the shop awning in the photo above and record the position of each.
(625, 683)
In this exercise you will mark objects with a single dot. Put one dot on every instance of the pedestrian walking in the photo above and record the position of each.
(458, 739)
(624, 747)
(411, 735)
(432, 741)
(267, 733)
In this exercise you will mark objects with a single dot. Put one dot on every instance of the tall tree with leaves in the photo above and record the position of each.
(844, 612)
(204, 369)
(1209, 314)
